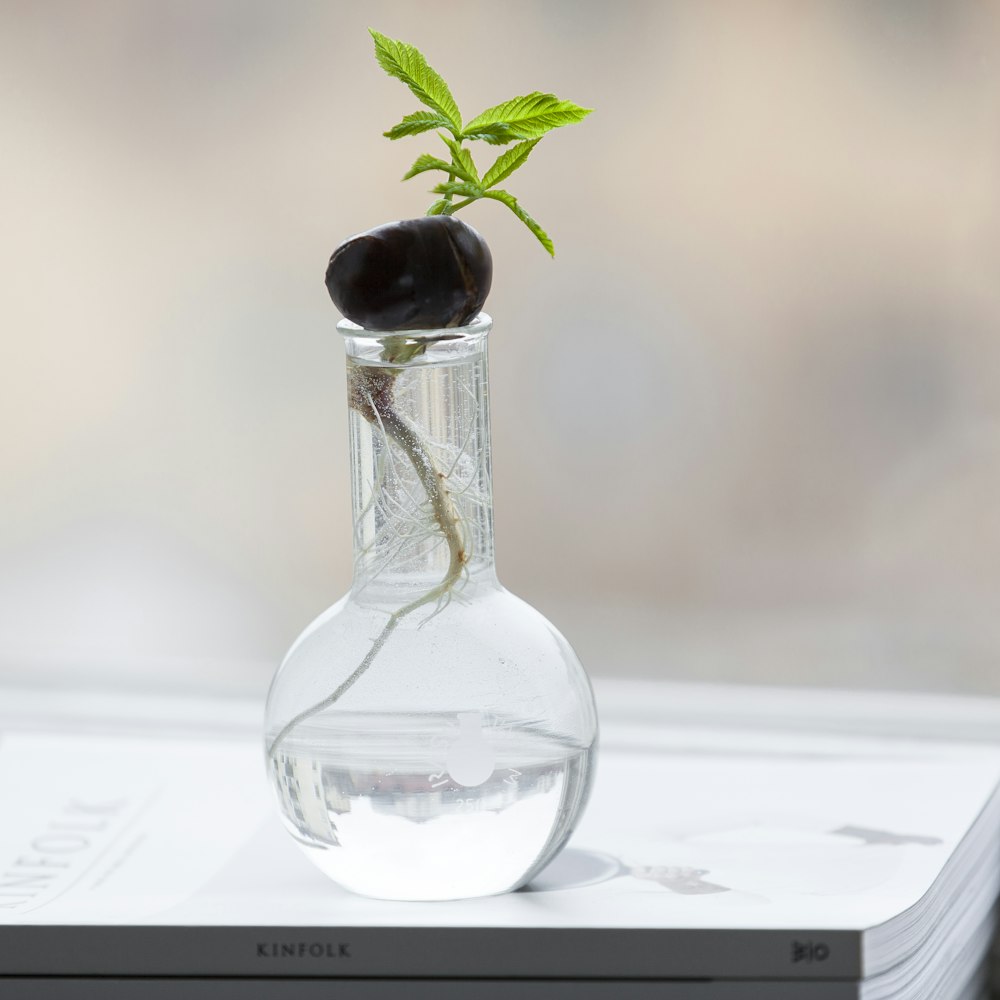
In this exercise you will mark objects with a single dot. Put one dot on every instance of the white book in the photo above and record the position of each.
(138, 838)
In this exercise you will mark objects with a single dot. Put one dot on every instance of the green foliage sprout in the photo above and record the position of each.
(522, 121)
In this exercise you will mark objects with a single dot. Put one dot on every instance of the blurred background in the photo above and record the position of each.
(746, 424)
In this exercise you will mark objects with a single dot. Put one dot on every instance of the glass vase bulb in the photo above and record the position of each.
(430, 736)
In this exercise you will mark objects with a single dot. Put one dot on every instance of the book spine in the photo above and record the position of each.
(183, 988)
(429, 952)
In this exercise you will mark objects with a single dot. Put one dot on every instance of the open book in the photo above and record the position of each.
(138, 839)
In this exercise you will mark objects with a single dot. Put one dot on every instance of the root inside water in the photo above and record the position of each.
(371, 393)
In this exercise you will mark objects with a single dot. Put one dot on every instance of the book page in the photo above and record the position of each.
(686, 829)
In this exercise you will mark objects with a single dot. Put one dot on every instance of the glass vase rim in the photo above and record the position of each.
(480, 325)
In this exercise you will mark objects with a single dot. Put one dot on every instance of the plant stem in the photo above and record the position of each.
(371, 395)
(452, 209)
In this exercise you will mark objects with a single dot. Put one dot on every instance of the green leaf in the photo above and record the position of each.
(511, 202)
(406, 63)
(438, 207)
(427, 162)
(463, 159)
(497, 134)
(419, 121)
(460, 188)
(508, 162)
(527, 117)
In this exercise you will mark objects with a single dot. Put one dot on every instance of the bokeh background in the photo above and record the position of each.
(746, 425)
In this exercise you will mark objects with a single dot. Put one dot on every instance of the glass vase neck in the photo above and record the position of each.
(414, 348)
(422, 495)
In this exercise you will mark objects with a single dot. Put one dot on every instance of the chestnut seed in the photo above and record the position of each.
(418, 274)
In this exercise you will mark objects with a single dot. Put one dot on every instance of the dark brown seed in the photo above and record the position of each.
(418, 274)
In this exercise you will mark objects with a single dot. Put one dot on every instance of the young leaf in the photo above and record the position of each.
(511, 202)
(497, 134)
(527, 117)
(406, 63)
(419, 121)
(508, 162)
(427, 162)
(462, 189)
(438, 207)
(462, 158)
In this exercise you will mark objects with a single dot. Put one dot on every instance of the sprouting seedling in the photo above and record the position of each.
(363, 292)
(522, 120)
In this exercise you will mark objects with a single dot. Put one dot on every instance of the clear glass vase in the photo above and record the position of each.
(430, 736)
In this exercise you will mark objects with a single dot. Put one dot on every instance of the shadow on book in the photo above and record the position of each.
(575, 868)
